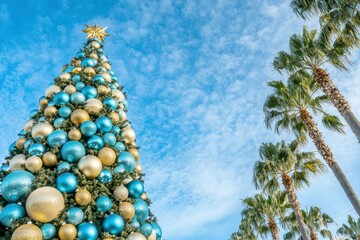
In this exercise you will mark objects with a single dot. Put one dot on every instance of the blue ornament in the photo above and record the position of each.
(95, 142)
(57, 138)
(103, 58)
(113, 224)
(105, 176)
(88, 62)
(141, 210)
(77, 98)
(48, 231)
(119, 146)
(36, 149)
(51, 103)
(112, 86)
(63, 167)
(75, 216)
(109, 139)
(114, 78)
(100, 50)
(103, 204)
(80, 55)
(89, 92)
(136, 188)
(135, 223)
(116, 130)
(111, 72)
(99, 79)
(79, 86)
(64, 112)
(69, 69)
(61, 98)
(28, 143)
(33, 114)
(157, 230)
(12, 148)
(104, 124)
(58, 122)
(111, 103)
(87, 231)
(100, 69)
(76, 78)
(119, 169)
(128, 160)
(146, 229)
(125, 103)
(88, 128)
(10, 213)
(42, 119)
(66, 182)
(22, 133)
(72, 151)
(17, 185)
(5, 168)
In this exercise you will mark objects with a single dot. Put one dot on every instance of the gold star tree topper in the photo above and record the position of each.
(96, 32)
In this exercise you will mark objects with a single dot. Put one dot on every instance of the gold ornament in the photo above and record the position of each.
(67, 232)
(95, 44)
(79, 116)
(136, 236)
(138, 168)
(43, 103)
(27, 232)
(94, 55)
(50, 111)
(78, 69)
(121, 106)
(50, 91)
(106, 65)
(89, 71)
(93, 106)
(90, 166)
(17, 162)
(70, 89)
(78, 63)
(107, 238)
(103, 89)
(74, 134)
(128, 134)
(135, 153)
(114, 117)
(20, 143)
(127, 210)
(107, 156)
(118, 95)
(152, 236)
(42, 129)
(49, 159)
(96, 32)
(127, 180)
(83, 197)
(121, 193)
(44, 204)
(122, 115)
(28, 125)
(144, 196)
(33, 164)
(106, 76)
(65, 76)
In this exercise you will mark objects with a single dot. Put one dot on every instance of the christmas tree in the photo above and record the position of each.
(73, 173)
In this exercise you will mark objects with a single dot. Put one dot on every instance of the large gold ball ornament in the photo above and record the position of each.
(27, 232)
(74, 134)
(152, 236)
(18, 162)
(50, 91)
(138, 168)
(144, 196)
(78, 69)
(106, 65)
(50, 111)
(70, 89)
(49, 159)
(20, 143)
(41, 129)
(128, 134)
(44, 204)
(65, 76)
(79, 116)
(136, 236)
(118, 95)
(95, 44)
(127, 210)
(89, 71)
(135, 153)
(103, 89)
(83, 197)
(107, 156)
(90, 166)
(114, 117)
(67, 232)
(28, 125)
(33, 164)
(106, 76)
(43, 102)
(93, 106)
(94, 55)
(121, 193)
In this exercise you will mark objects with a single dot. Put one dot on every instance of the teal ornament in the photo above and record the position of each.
(61, 98)
(99, 79)
(114, 78)
(119, 169)
(5, 168)
(103, 204)
(57, 138)
(100, 50)
(51, 103)
(80, 55)
(112, 86)
(104, 124)
(146, 229)
(10, 213)
(64, 112)
(128, 160)
(113, 224)
(109, 139)
(135, 223)
(95, 142)
(58, 122)
(77, 98)
(105, 176)
(157, 230)
(79, 86)
(69, 69)
(89, 92)
(88, 62)
(100, 69)
(115, 130)
(103, 58)
(125, 103)
(119, 146)
(72, 151)
(33, 114)
(22, 133)
(75, 215)
(66, 182)
(111, 103)
(87, 231)
(28, 143)
(111, 72)
(63, 167)
(141, 210)
(17, 185)
(42, 119)
(76, 78)
(13, 148)
(88, 128)
(36, 149)
(136, 188)
(48, 231)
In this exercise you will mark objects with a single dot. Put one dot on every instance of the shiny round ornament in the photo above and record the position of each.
(79, 86)
(95, 44)
(103, 204)
(90, 166)
(89, 92)
(138, 168)
(76, 78)
(135, 153)
(66, 182)
(68, 69)
(80, 55)
(51, 90)
(17, 185)
(94, 56)
(48, 231)
(57, 138)
(89, 71)
(144, 196)
(33, 114)
(64, 112)
(106, 65)
(120, 169)
(36, 149)
(146, 229)
(88, 128)
(83, 197)
(99, 79)
(122, 115)
(109, 139)
(115, 130)
(70, 89)
(127, 210)
(135, 223)
(128, 160)
(11, 213)
(93, 106)
(41, 130)
(50, 111)
(104, 124)
(106, 76)
(28, 125)
(27, 232)
(79, 116)
(87, 231)
(4, 168)
(20, 143)
(113, 224)
(111, 103)
(58, 122)
(114, 117)
(103, 58)
(141, 210)
(95, 142)
(65, 77)
(103, 89)
(119, 146)
(44, 204)
(118, 95)
(136, 188)
(129, 135)
(88, 62)
(107, 156)
(152, 236)
(72, 151)
(100, 69)
(67, 232)
(77, 98)
(61, 98)
(49, 159)
(74, 134)
(33, 164)
(157, 230)
(75, 215)
(105, 176)
(125, 103)
(43, 102)
(136, 236)
(63, 167)
(18, 162)
(121, 193)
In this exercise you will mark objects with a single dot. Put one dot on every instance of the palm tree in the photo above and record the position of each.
(315, 220)
(245, 232)
(307, 52)
(294, 168)
(289, 108)
(351, 231)
(262, 212)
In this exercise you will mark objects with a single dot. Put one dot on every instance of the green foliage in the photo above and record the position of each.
(350, 231)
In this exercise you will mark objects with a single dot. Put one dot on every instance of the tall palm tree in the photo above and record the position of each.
(285, 163)
(245, 232)
(289, 108)
(351, 231)
(263, 212)
(315, 220)
(307, 52)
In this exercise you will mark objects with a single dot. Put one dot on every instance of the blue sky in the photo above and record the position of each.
(195, 74)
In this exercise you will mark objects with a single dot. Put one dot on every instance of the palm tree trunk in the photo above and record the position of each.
(338, 100)
(273, 229)
(287, 182)
(313, 235)
(328, 156)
